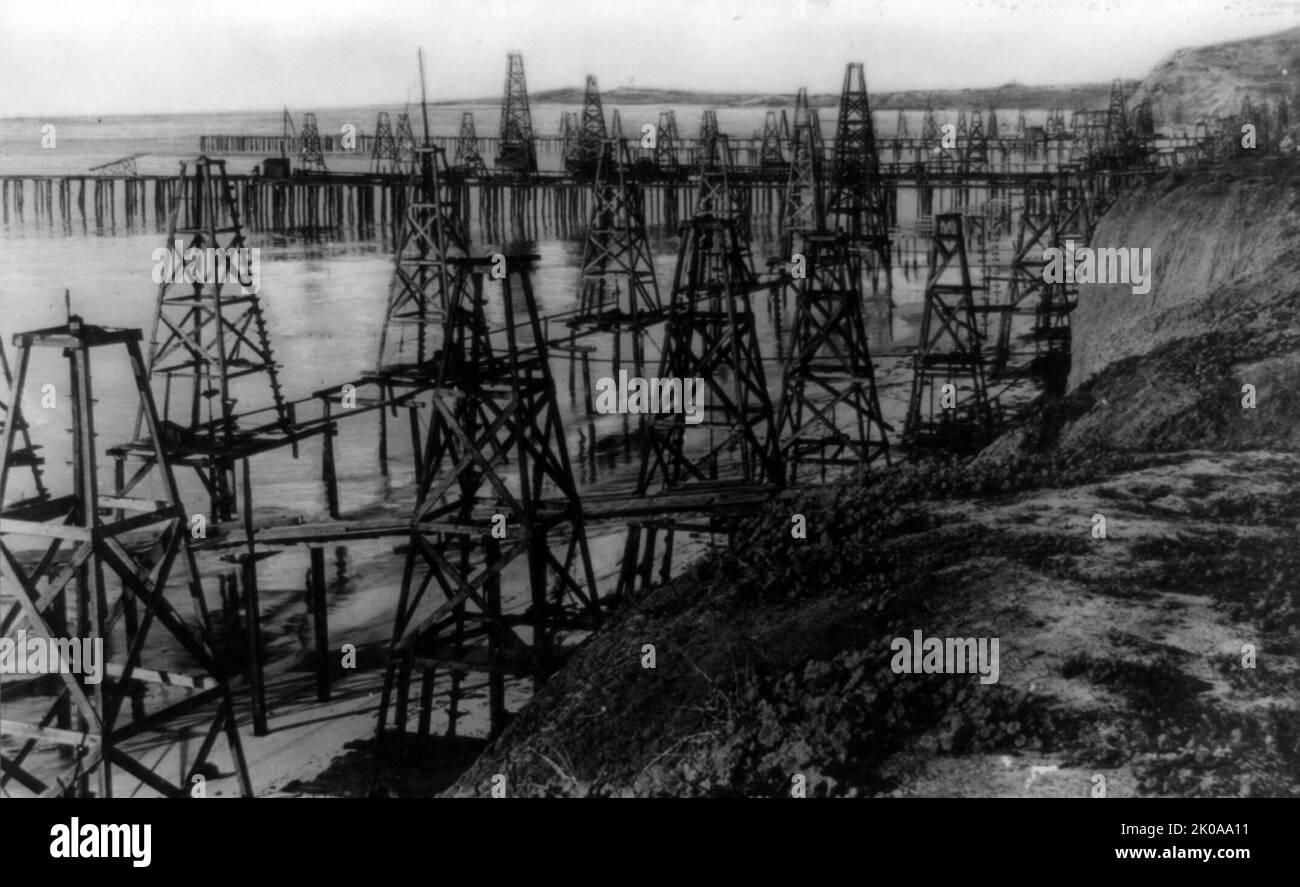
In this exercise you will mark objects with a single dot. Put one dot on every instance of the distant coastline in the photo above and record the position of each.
(1009, 95)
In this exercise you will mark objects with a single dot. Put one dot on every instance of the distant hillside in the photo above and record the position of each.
(1010, 95)
(1210, 81)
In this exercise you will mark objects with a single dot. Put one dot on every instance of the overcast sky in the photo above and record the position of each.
(123, 56)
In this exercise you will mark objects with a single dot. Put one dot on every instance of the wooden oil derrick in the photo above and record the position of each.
(901, 131)
(666, 139)
(422, 286)
(210, 342)
(618, 290)
(1022, 128)
(713, 178)
(1038, 231)
(949, 405)
(383, 154)
(730, 447)
(496, 486)
(711, 336)
(468, 159)
(962, 130)
(616, 131)
(1117, 122)
(592, 145)
(102, 579)
(975, 148)
(830, 411)
(570, 132)
(804, 209)
(24, 454)
(311, 158)
(1055, 126)
(930, 133)
(407, 161)
(518, 151)
(1075, 217)
(783, 131)
(858, 205)
(706, 143)
(287, 133)
(771, 153)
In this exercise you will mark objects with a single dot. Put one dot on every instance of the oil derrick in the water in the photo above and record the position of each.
(901, 131)
(706, 142)
(287, 132)
(830, 411)
(422, 286)
(771, 153)
(407, 160)
(930, 132)
(937, 153)
(975, 149)
(593, 146)
(518, 151)
(97, 586)
(713, 173)
(616, 136)
(23, 453)
(569, 135)
(803, 210)
(468, 158)
(666, 139)
(949, 405)
(618, 291)
(496, 486)
(711, 336)
(383, 155)
(858, 204)
(210, 341)
(312, 157)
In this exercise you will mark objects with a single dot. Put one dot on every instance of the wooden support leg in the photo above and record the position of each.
(320, 622)
(253, 614)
